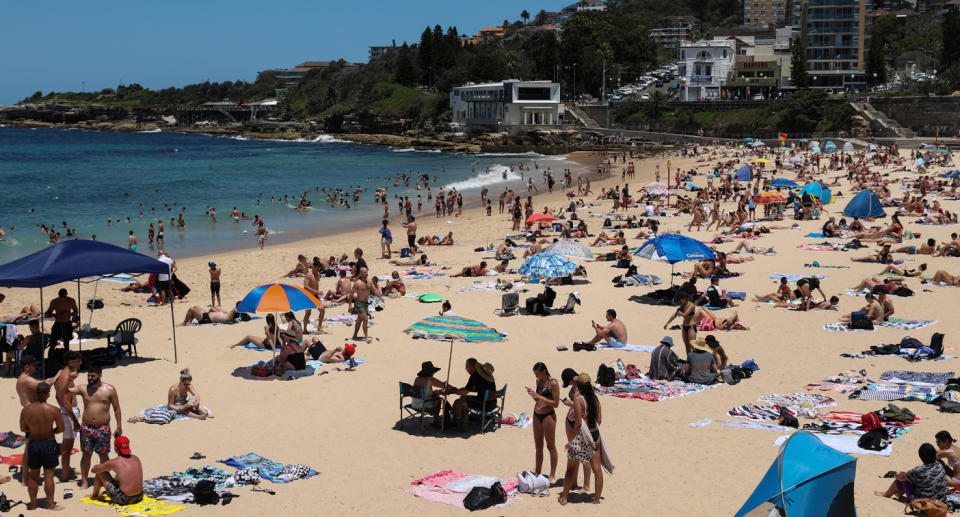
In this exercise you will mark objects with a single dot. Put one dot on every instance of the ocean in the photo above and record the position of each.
(82, 178)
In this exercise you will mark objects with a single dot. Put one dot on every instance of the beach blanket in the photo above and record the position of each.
(422, 274)
(627, 348)
(522, 420)
(895, 323)
(14, 459)
(311, 368)
(449, 487)
(148, 506)
(270, 470)
(889, 392)
(916, 378)
(219, 476)
(758, 412)
(817, 247)
(651, 390)
(173, 488)
(793, 278)
(212, 324)
(843, 443)
(12, 440)
(815, 400)
(178, 417)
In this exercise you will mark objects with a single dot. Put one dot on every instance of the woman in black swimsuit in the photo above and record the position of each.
(291, 355)
(546, 398)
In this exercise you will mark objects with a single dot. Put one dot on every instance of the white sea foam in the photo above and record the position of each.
(491, 177)
(157, 130)
(412, 150)
(528, 154)
(327, 139)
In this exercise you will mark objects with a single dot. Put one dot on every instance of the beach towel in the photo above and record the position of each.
(173, 488)
(270, 470)
(449, 487)
(163, 407)
(220, 477)
(758, 412)
(890, 392)
(798, 399)
(651, 390)
(817, 247)
(895, 323)
(793, 277)
(148, 506)
(916, 378)
(522, 420)
(15, 459)
(627, 348)
(843, 443)
(12, 440)
(212, 324)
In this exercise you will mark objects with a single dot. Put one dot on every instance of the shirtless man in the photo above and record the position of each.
(881, 293)
(41, 422)
(27, 391)
(132, 241)
(69, 412)
(873, 309)
(479, 270)
(360, 294)
(160, 233)
(63, 309)
(261, 234)
(311, 284)
(614, 332)
(341, 292)
(98, 398)
(214, 284)
(126, 487)
(213, 315)
(687, 329)
(411, 234)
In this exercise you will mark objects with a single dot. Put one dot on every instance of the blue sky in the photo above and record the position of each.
(57, 44)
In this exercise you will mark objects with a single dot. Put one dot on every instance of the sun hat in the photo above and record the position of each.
(701, 345)
(427, 369)
(667, 340)
(486, 371)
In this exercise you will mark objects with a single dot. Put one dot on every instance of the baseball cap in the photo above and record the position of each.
(567, 376)
(349, 350)
(212, 264)
(122, 445)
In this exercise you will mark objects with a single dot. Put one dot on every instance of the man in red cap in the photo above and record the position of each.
(126, 485)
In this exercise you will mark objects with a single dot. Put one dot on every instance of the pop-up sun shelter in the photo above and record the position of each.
(864, 204)
(808, 479)
(73, 260)
(744, 173)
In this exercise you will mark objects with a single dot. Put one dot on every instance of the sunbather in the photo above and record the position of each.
(300, 269)
(342, 291)
(784, 294)
(211, 315)
(138, 286)
(881, 257)
(395, 284)
(479, 270)
(743, 246)
(948, 454)
(28, 312)
(873, 310)
(422, 261)
(871, 282)
(434, 240)
(705, 321)
(611, 240)
(925, 249)
(178, 398)
(929, 480)
(269, 331)
(905, 271)
(942, 277)
(622, 254)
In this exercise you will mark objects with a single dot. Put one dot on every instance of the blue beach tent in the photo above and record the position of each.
(783, 182)
(830, 147)
(820, 190)
(808, 479)
(744, 173)
(864, 204)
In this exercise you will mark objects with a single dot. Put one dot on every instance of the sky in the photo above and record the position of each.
(66, 45)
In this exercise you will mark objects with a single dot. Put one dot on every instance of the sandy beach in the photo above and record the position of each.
(344, 424)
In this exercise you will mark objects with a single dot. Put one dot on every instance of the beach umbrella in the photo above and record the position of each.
(864, 204)
(783, 182)
(656, 189)
(758, 143)
(540, 217)
(278, 298)
(820, 190)
(795, 159)
(942, 151)
(769, 198)
(570, 249)
(919, 162)
(830, 147)
(748, 139)
(547, 265)
(673, 248)
(951, 174)
(452, 328)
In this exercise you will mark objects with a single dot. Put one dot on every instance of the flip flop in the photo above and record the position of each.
(562, 348)
(197, 456)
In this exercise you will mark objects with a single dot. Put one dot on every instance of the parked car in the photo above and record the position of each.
(645, 97)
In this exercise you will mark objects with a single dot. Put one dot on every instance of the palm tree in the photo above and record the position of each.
(525, 16)
(540, 18)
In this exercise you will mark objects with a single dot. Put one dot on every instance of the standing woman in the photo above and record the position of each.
(584, 435)
(546, 399)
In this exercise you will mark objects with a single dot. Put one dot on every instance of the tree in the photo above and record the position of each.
(875, 67)
(656, 106)
(798, 65)
(406, 72)
(950, 49)
(540, 18)
(425, 56)
(525, 16)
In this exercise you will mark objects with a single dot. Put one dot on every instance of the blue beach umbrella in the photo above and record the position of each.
(951, 174)
(830, 147)
(744, 173)
(783, 182)
(820, 190)
(674, 248)
(547, 265)
(864, 204)
(571, 249)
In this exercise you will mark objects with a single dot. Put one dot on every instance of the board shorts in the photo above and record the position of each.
(43, 453)
(118, 497)
(613, 342)
(95, 439)
(362, 307)
(61, 330)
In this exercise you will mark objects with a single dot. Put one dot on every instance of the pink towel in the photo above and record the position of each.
(440, 478)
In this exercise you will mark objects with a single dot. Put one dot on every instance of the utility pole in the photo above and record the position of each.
(603, 87)
(574, 84)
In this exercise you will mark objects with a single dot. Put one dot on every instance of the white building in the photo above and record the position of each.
(507, 104)
(705, 66)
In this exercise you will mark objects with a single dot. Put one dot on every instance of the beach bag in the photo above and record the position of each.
(885, 349)
(949, 406)
(606, 376)
(858, 316)
(260, 371)
(870, 421)
(927, 507)
(405, 253)
(534, 305)
(205, 493)
(788, 420)
(316, 349)
(94, 304)
(874, 440)
(729, 377)
(481, 498)
(607, 222)
(160, 416)
(549, 296)
(910, 342)
(894, 413)
(936, 343)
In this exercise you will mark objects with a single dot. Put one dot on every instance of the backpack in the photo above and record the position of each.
(936, 343)
(316, 349)
(729, 376)
(607, 223)
(910, 342)
(260, 371)
(205, 493)
(481, 498)
(863, 324)
(534, 305)
(886, 349)
(874, 440)
(788, 420)
(870, 421)
(549, 296)
(632, 270)
(606, 376)
(927, 507)
(404, 252)
(96, 303)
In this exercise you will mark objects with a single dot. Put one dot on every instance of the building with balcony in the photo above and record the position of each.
(834, 33)
(585, 5)
(705, 66)
(675, 31)
(763, 13)
(293, 75)
(507, 105)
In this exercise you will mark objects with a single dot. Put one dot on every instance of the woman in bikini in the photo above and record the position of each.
(584, 411)
(783, 294)
(291, 355)
(905, 271)
(705, 321)
(177, 398)
(269, 331)
(943, 277)
(422, 261)
(949, 455)
(546, 400)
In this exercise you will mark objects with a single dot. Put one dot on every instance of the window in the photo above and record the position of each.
(533, 94)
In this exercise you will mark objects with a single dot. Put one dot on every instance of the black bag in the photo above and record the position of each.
(549, 296)
(535, 306)
(94, 304)
(481, 498)
(949, 406)
(910, 342)
(874, 440)
(788, 420)
(622, 263)
(607, 223)
(606, 376)
(861, 325)
(886, 349)
(205, 493)
(936, 343)
(316, 349)
(902, 291)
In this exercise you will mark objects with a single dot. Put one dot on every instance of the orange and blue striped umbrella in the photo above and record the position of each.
(278, 298)
(453, 328)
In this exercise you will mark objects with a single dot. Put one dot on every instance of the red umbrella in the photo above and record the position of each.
(540, 218)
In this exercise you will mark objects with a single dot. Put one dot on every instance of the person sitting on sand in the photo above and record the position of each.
(714, 296)
(881, 293)
(783, 295)
(614, 333)
(831, 304)
(706, 268)
(446, 309)
(395, 284)
(942, 277)
(612, 240)
(269, 331)
(928, 481)
(701, 367)
(914, 272)
(502, 267)
(873, 310)
(479, 384)
(341, 292)
(422, 261)
(127, 487)
(719, 354)
(664, 363)
(622, 254)
(479, 270)
(292, 352)
(211, 315)
(948, 454)
(178, 398)
(300, 269)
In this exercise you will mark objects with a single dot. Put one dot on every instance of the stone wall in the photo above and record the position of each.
(922, 114)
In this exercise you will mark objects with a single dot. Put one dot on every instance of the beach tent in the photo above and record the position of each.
(919, 162)
(872, 147)
(864, 204)
(848, 147)
(744, 173)
(808, 479)
(783, 182)
(820, 190)
(73, 260)
(830, 147)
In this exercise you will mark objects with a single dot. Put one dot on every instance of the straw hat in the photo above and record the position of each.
(486, 371)
(701, 344)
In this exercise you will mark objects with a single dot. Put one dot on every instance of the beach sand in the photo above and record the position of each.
(343, 423)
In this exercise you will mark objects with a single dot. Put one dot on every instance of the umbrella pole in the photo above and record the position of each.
(79, 319)
(173, 325)
(449, 362)
(43, 362)
(95, 286)
(276, 339)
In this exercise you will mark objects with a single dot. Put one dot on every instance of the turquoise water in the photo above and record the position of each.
(51, 176)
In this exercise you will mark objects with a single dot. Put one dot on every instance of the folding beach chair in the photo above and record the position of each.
(509, 304)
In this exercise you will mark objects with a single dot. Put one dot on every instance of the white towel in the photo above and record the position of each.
(843, 443)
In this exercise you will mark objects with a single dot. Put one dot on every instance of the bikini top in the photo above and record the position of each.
(545, 393)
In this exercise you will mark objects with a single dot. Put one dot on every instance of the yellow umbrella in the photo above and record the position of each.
(762, 160)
